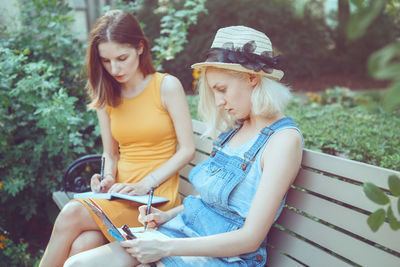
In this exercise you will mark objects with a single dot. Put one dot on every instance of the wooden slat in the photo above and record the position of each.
(355, 170)
(184, 172)
(349, 219)
(343, 191)
(276, 259)
(338, 242)
(60, 198)
(301, 251)
(203, 144)
(199, 157)
(198, 126)
(186, 188)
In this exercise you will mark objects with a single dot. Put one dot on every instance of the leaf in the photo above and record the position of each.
(391, 99)
(394, 185)
(375, 194)
(382, 64)
(363, 17)
(393, 222)
(376, 219)
(398, 205)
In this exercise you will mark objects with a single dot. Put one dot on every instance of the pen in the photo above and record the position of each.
(102, 172)
(149, 205)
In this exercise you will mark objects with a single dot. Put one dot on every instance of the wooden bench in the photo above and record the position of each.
(325, 220)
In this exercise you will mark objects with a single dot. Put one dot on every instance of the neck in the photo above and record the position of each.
(256, 123)
(133, 86)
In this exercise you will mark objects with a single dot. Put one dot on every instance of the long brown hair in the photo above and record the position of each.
(118, 26)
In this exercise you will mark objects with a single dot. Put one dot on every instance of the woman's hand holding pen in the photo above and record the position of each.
(145, 250)
(154, 219)
(101, 186)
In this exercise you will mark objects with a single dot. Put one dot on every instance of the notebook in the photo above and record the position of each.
(140, 199)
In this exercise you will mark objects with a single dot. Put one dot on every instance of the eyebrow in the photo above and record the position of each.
(123, 54)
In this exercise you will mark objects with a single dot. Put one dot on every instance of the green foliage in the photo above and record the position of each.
(130, 6)
(376, 219)
(298, 31)
(174, 26)
(44, 124)
(365, 14)
(43, 118)
(375, 194)
(302, 41)
(17, 255)
(394, 185)
(353, 127)
(193, 101)
(384, 63)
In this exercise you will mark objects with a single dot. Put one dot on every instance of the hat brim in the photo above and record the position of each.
(275, 74)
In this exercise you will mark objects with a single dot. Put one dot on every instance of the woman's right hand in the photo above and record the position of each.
(154, 219)
(103, 186)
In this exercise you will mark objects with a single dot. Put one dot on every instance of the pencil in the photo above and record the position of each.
(102, 171)
(149, 205)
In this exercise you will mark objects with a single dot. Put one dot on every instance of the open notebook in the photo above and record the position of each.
(140, 199)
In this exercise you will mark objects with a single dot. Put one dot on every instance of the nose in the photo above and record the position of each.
(114, 68)
(219, 100)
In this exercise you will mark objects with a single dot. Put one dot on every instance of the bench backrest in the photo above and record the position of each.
(325, 220)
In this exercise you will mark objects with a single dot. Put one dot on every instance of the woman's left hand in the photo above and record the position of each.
(145, 251)
(131, 189)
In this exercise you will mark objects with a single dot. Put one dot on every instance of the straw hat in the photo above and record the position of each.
(242, 49)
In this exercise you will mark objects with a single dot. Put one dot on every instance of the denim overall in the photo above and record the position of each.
(226, 183)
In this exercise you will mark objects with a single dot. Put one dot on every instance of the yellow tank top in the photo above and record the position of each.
(144, 131)
(146, 138)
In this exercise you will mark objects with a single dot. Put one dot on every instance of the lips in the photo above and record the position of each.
(119, 77)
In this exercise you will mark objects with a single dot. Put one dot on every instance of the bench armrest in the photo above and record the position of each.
(77, 175)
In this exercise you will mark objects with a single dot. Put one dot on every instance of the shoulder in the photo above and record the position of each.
(170, 84)
(285, 142)
(287, 137)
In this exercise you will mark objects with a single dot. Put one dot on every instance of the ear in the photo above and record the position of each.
(140, 48)
(254, 79)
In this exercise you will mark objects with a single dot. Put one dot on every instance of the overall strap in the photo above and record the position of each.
(223, 138)
(263, 137)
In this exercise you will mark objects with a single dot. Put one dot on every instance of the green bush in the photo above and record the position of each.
(16, 254)
(353, 132)
(44, 124)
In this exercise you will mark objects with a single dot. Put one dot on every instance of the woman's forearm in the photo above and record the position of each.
(182, 157)
(174, 211)
(222, 245)
(111, 162)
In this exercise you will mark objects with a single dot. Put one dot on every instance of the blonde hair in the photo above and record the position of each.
(269, 97)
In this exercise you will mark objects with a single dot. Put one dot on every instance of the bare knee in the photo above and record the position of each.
(72, 216)
(87, 240)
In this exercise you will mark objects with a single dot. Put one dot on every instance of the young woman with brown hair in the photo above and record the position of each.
(145, 129)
